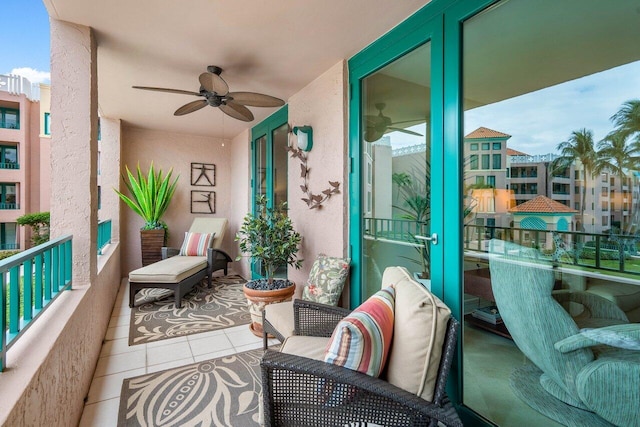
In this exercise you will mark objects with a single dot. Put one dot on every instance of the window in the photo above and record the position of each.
(612, 181)
(485, 145)
(605, 220)
(485, 161)
(508, 174)
(473, 161)
(8, 196)
(474, 146)
(491, 181)
(497, 146)
(605, 177)
(605, 206)
(9, 157)
(576, 206)
(576, 174)
(497, 161)
(47, 123)
(9, 118)
(605, 192)
(576, 189)
(8, 236)
(479, 180)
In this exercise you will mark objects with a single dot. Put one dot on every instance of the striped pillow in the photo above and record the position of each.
(196, 244)
(361, 341)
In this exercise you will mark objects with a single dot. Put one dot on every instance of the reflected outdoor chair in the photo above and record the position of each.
(578, 377)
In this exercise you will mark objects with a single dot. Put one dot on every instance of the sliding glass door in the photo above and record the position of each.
(269, 141)
(521, 129)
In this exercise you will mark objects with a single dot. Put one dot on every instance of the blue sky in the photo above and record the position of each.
(24, 31)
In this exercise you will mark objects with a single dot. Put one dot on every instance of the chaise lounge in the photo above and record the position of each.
(181, 269)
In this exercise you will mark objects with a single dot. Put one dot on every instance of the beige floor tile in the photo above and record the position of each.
(117, 332)
(110, 386)
(168, 365)
(168, 353)
(101, 414)
(119, 321)
(120, 363)
(118, 346)
(242, 337)
(210, 344)
(162, 343)
(214, 355)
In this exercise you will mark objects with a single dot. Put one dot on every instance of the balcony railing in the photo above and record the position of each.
(10, 206)
(31, 281)
(615, 252)
(399, 230)
(9, 165)
(9, 125)
(104, 234)
(9, 246)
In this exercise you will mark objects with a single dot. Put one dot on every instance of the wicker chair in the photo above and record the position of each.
(293, 385)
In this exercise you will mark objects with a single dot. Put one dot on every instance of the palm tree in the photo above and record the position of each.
(615, 155)
(579, 146)
(627, 120)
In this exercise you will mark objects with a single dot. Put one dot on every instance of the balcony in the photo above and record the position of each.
(9, 206)
(9, 165)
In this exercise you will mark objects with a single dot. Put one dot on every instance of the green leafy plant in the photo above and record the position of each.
(39, 223)
(269, 236)
(413, 190)
(150, 196)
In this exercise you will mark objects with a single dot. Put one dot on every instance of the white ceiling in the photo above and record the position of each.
(274, 47)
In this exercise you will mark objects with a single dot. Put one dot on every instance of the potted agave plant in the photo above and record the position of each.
(150, 199)
(269, 238)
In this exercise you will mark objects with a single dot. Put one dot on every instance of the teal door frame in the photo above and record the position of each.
(265, 129)
(439, 22)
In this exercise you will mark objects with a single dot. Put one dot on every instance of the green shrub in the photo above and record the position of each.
(39, 223)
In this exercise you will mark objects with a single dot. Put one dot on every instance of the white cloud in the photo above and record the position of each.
(34, 76)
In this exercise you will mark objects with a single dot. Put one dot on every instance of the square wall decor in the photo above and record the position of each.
(203, 174)
(203, 202)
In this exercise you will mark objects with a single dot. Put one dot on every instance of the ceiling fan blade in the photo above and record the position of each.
(190, 107)
(163, 89)
(410, 132)
(214, 83)
(255, 99)
(237, 111)
(372, 135)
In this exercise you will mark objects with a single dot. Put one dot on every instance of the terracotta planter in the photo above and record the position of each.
(258, 299)
(151, 243)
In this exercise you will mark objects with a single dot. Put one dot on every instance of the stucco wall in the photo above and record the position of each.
(323, 105)
(168, 150)
(49, 370)
(240, 202)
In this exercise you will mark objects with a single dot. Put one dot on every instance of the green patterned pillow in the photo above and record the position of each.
(326, 280)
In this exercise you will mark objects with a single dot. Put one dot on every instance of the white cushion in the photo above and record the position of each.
(418, 335)
(311, 347)
(280, 316)
(170, 270)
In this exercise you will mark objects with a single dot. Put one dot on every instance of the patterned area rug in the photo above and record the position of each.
(217, 392)
(155, 316)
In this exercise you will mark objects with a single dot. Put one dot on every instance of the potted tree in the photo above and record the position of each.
(269, 238)
(150, 199)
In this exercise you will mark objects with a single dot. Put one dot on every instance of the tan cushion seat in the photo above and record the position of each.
(311, 347)
(170, 270)
(280, 316)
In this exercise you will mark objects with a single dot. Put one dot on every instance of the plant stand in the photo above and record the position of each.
(257, 299)
(151, 243)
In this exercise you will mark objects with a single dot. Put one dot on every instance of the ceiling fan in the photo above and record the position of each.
(215, 92)
(377, 126)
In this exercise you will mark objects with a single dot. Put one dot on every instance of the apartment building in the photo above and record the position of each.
(500, 178)
(24, 156)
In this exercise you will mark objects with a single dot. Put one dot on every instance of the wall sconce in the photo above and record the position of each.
(305, 137)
